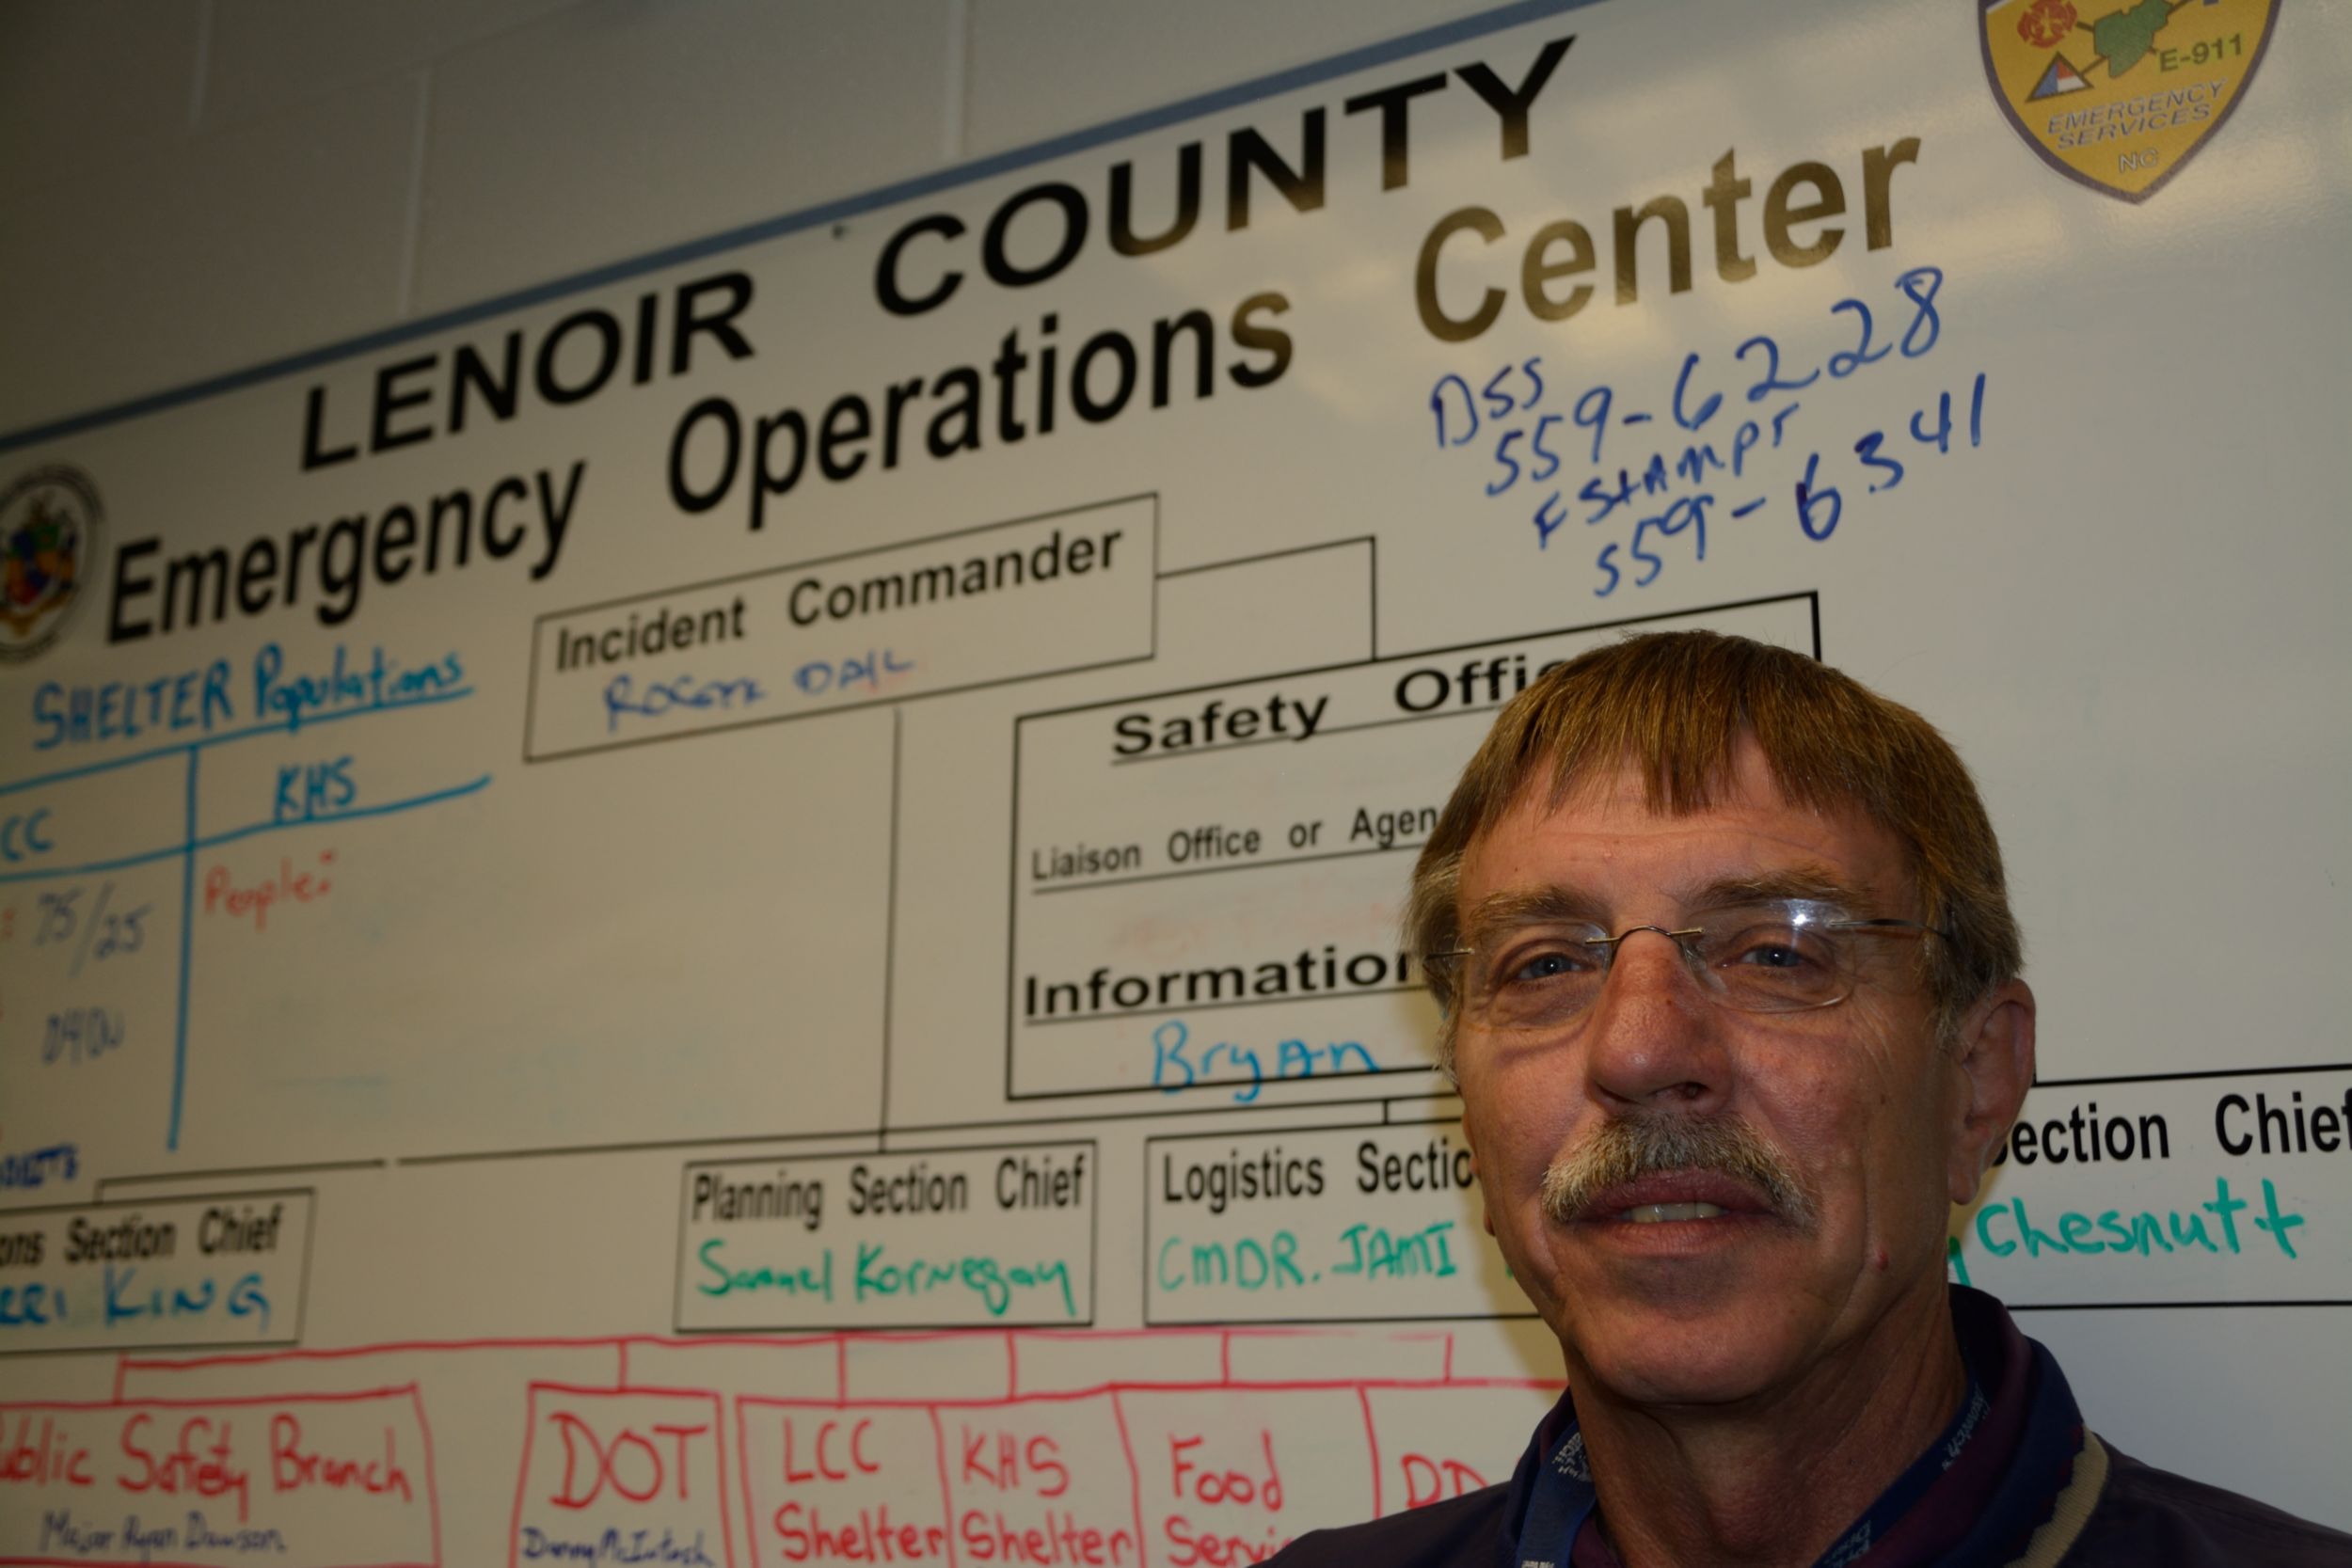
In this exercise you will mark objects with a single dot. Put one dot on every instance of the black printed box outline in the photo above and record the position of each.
(1295, 1323)
(530, 691)
(1094, 1241)
(302, 1286)
(1810, 597)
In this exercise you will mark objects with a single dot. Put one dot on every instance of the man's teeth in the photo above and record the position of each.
(1657, 1214)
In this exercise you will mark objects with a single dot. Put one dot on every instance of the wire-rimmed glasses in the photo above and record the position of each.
(1775, 956)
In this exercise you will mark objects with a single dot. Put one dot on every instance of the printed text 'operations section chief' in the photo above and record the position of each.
(1205, 884)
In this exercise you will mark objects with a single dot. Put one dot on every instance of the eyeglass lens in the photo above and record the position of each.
(1776, 957)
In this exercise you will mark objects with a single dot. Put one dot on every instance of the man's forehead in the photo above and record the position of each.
(1620, 797)
(1569, 897)
(1604, 822)
(1745, 777)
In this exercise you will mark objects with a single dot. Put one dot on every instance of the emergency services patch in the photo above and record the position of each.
(2120, 94)
(49, 522)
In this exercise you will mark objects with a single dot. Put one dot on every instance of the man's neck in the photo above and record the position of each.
(1774, 1480)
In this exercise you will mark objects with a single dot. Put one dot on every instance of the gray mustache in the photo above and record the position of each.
(1629, 1149)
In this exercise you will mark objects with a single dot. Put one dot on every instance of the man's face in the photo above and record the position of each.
(1854, 1100)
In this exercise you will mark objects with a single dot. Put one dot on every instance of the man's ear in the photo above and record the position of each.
(1994, 1054)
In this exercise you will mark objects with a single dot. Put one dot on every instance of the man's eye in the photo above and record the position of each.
(1536, 968)
(1780, 949)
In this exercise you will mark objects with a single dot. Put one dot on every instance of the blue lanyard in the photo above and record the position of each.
(1561, 1500)
(1563, 1497)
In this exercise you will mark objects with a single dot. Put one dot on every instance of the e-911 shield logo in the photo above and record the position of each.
(2120, 94)
(49, 522)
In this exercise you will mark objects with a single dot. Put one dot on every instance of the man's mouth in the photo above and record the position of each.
(1666, 1170)
(1672, 1197)
(1660, 1213)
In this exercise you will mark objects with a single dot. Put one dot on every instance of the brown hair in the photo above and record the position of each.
(1674, 705)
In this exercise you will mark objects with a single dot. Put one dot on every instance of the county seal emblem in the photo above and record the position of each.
(2120, 94)
(49, 522)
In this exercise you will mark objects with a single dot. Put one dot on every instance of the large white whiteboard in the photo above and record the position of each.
(917, 1047)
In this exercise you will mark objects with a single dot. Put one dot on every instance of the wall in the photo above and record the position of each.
(582, 986)
(265, 178)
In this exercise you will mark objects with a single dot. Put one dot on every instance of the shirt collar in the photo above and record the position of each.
(2006, 1476)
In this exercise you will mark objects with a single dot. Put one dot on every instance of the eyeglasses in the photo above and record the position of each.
(1782, 956)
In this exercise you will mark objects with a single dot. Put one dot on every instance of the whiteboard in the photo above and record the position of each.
(745, 906)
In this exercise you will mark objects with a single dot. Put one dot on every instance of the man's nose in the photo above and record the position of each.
(1656, 1040)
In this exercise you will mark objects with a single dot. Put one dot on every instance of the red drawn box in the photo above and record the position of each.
(636, 1474)
(827, 1482)
(203, 1483)
(1231, 1475)
(1040, 1480)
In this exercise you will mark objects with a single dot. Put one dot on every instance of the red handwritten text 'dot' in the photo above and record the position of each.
(630, 1463)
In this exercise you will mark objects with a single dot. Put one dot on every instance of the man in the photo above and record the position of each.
(1731, 994)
